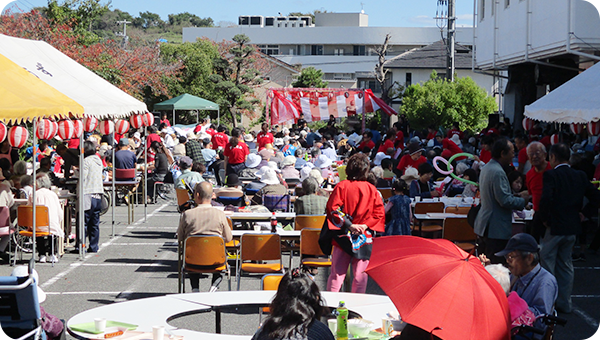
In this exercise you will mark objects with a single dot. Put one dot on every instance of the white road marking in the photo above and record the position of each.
(586, 317)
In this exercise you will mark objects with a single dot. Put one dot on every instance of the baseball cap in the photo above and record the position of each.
(123, 142)
(522, 242)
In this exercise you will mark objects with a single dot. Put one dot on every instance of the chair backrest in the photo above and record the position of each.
(429, 207)
(221, 175)
(309, 242)
(277, 202)
(292, 182)
(458, 210)
(4, 217)
(309, 221)
(235, 201)
(205, 251)
(25, 216)
(125, 174)
(251, 191)
(182, 196)
(19, 305)
(270, 281)
(257, 247)
(385, 192)
(458, 229)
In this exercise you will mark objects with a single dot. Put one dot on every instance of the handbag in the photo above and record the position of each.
(472, 215)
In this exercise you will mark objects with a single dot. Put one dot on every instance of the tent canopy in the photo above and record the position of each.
(25, 97)
(98, 97)
(576, 101)
(186, 102)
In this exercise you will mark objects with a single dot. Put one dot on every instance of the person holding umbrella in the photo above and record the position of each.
(354, 213)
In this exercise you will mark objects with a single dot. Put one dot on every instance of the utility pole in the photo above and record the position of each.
(451, 37)
(124, 34)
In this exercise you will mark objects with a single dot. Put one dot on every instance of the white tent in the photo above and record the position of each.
(576, 101)
(98, 97)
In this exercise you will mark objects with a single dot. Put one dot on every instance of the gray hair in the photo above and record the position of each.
(461, 168)
(43, 181)
(315, 152)
(20, 168)
(538, 144)
(310, 185)
(377, 171)
(25, 180)
(536, 256)
(500, 274)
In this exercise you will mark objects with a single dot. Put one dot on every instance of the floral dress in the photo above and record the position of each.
(399, 223)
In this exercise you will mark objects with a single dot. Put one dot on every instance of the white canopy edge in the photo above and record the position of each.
(576, 101)
(98, 97)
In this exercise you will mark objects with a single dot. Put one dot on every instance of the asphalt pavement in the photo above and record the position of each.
(141, 261)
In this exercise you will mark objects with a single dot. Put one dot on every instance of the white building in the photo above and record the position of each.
(339, 44)
(541, 43)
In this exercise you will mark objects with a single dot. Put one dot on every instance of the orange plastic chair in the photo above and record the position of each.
(204, 254)
(268, 282)
(385, 192)
(25, 219)
(184, 201)
(311, 254)
(458, 210)
(233, 244)
(259, 248)
(458, 231)
(309, 221)
(428, 207)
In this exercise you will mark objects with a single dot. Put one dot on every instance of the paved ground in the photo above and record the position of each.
(140, 261)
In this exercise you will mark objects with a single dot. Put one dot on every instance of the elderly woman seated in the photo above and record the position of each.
(268, 176)
(44, 196)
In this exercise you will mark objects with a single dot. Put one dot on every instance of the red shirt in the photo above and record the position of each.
(360, 200)
(485, 156)
(73, 143)
(546, 141)
(535, 184)
(368, 144)
(386, 145)
(219, 139)
(237, 154)
(492, 131)
(166, 121)
(263, 139)
(211, 131)
(431, 135)
(198, 128)
(400, 136)
(523, 158)
(407, 161)
(455, 132)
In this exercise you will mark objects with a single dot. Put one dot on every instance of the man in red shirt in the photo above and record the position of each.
(366, 141)
(414, 158)
(219, 139)
(455, 131)
(264, 137)
(534, 179)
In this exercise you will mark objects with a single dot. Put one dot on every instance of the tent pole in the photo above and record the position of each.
(197, 117)
(173, 115)
(114, 196)
(80, 211)
(33, 198)
(146, 172)
(219, 116)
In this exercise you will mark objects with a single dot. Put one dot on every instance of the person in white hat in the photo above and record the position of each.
(249, 140)
(287, 168)
(268, 176)
(324, 163)
(379, 157)
(253, 162)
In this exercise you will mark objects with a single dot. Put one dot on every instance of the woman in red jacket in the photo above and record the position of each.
(354, 208)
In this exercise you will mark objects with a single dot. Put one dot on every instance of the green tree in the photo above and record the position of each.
(312, 15)
(234, 76)
(79, 14)
(310, 77)
(190, 19)
(147, 20)
(439, 102)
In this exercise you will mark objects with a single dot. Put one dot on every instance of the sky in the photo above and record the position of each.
(382, 13)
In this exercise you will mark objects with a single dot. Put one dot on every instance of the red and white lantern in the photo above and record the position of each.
(136, 121)
(121, 126)
(77, 128)
(45, 129)
(577, 128)
(17, 136)
(3, 132)
(54, 126)
(65, 129)
(90, 124)
(527, 124)
(107, 127)
(594, 128)
(554, 139)
(148, 119)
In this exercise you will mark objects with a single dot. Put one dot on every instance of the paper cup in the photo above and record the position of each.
(417, 198)
(158, 332)
(256, 227)
(100, 324)
(332, 323)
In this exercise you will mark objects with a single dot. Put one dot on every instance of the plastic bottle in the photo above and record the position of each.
(273, 223)
(342, 321)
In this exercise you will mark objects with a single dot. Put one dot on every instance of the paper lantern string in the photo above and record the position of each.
(450, 168)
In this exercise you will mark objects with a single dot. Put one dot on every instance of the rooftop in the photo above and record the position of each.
(431, 57)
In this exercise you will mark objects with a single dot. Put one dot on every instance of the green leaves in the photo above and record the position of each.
(310, 77)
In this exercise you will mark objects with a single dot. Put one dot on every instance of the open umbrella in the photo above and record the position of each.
(440, 288)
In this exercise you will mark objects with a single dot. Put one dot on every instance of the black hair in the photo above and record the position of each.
(182, 139)
(472, 175)
(561, 152)
(235, 137)
(45, 162)
(500, 146)
(157, 146)
(401, 187)
(221, 128)
(296, 305)
(358, 167)
(198, 167)
(368, 133)
(425, 168)
(513, 176)
(386, 162)
(89, 148)
(488, 140)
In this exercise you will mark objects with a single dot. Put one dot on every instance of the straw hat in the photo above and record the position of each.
(248, 138)
(253, 160)
(191, 135)
(288, 160)
(267, 175)
(23, 271)
(322, 162)
(410, 174)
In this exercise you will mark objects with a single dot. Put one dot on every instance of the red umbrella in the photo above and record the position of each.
(440, 288)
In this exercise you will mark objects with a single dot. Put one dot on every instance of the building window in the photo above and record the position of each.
(482, 10)
(338, 51)
(506, 3)
(269, 49)
(342, 76)
(408, 81)
(316, 50)
(359, 50)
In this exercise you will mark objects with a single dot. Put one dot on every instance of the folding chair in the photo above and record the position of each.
(184, 201)
(125, 174)
(458, 231)
(259, 248)
(268, 282)
(25, 219)
(386, 193)
(428, 207)
(277, 202)
(20, 315)
(233, 245)
(292, 182)
(234, 201)
(458, 210)
(309, 221)
(203, 254)
(311, 254)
